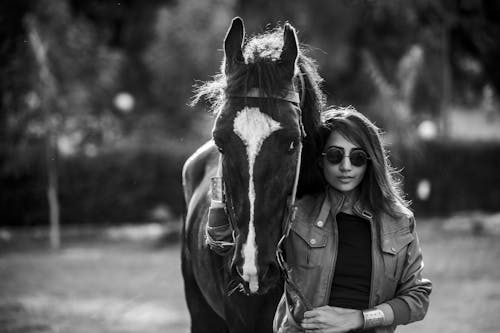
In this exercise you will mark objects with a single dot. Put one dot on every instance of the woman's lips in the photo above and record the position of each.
(345, 179)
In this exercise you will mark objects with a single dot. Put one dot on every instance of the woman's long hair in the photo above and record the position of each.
(379, 190)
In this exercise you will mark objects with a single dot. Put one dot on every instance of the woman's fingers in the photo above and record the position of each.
(313, 321)
(311, 325)
(311, 313)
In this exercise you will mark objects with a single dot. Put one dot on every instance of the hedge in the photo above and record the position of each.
(125, 186)
(115, 187)
(464, 176)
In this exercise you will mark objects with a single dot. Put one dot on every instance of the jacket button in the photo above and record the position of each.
(312, 241)
(320, 224)
(393, 249)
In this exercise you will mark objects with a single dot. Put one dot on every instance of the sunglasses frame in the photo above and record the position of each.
(344, 156)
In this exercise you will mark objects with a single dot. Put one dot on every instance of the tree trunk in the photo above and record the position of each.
(48, 95)
(445, 81)
(52, 191)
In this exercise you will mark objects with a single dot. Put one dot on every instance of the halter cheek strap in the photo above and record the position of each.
(292, 208)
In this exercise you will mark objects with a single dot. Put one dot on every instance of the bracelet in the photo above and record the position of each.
(217, 189)
(373, 318)
(217, 204)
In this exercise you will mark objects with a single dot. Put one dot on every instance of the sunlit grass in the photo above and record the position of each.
(132, 286)
(465, 271)
(117, 287)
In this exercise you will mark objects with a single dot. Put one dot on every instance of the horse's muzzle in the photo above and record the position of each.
(268, 277)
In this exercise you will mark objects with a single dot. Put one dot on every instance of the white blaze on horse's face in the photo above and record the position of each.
(252, 127)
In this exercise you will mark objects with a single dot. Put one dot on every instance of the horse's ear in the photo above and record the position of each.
(233, 43)
(290, 49)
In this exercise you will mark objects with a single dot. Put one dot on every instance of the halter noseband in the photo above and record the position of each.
(288, 95)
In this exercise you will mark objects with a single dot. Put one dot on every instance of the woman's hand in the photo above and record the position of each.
(330, 319)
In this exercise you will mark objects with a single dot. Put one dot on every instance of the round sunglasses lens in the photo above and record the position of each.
(334, 155)
(358, 158)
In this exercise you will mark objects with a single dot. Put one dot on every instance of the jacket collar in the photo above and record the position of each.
(337, 199)
(388, 224)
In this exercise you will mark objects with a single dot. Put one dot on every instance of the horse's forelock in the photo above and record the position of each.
(266, 46)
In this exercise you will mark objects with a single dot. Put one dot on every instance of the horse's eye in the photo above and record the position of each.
(292, 146)
(218, 144)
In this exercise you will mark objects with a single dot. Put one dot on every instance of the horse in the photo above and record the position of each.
(267, 101)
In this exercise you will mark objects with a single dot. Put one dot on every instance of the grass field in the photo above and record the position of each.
(98, 285)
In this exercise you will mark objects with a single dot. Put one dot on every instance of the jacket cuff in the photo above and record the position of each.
(401, 311)
(217, 217)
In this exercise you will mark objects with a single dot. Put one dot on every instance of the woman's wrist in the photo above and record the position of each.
(217, 204)
(357, 320)
(372, 318)
(380, 315)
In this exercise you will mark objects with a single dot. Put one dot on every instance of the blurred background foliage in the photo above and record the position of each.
(113, 90)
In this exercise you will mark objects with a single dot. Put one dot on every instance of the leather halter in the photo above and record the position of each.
(289, 95)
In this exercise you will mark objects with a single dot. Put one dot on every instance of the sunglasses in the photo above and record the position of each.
(335, 155)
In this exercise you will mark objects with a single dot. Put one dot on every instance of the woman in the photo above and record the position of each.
(353, 252)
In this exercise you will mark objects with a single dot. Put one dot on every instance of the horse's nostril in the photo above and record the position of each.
(270, 272)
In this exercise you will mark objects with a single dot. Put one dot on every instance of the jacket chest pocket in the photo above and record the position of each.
(394, 252)
(308, 244)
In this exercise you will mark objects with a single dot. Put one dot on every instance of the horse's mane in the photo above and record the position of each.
(260, 54)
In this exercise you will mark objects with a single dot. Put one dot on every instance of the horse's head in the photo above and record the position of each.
(258, 131)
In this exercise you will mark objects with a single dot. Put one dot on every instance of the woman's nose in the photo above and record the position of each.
(345, 164)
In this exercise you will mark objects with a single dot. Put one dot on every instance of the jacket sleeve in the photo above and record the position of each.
(283, 319)
(412, 294)
(218, 233)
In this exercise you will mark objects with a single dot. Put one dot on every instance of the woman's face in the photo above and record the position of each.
(343, 176)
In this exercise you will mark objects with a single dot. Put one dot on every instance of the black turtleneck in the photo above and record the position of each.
(353, 268)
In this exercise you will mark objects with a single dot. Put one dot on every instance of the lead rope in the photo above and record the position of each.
(303, 135)
(219, 167)
(294, 295)
(292, 208)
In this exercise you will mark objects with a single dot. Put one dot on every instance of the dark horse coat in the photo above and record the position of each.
(255, 136)
(206, 277)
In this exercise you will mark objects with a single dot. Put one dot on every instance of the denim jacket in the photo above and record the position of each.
(311, 252)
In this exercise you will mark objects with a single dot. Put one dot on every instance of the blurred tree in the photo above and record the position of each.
(473, 27)
(151, 53)
(86, 71)
(48, 91)
(64, 85)
(387, 29)
(128, 27)
(15, 69)
(184, 48)
(393, 104)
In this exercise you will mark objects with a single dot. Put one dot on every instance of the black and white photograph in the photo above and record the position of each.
(230, 166)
